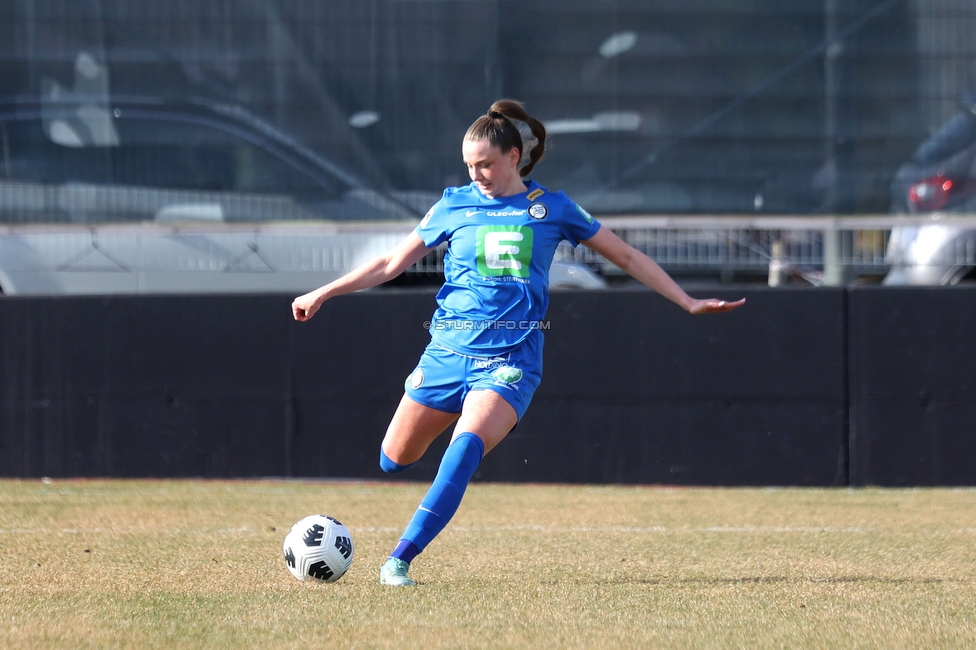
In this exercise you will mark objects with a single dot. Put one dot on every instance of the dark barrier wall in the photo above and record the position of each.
(144, 387)
(634, 389)
(913, 386)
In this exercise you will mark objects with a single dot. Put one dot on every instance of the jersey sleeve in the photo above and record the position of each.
(433, 227)
(578, 224)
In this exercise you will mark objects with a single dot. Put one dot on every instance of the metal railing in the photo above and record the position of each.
(806, 247)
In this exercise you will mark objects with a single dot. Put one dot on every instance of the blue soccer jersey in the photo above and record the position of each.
(496, 268)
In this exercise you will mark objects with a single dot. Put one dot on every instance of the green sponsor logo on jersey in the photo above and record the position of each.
(586, 215)
(504, 250)
(507, 374)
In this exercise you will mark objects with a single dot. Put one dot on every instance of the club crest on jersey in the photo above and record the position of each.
(538, 211)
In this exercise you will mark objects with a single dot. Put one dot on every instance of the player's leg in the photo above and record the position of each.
(488, 415)
(499, 394)
(486, 418)
(432, 399)
(412, 429)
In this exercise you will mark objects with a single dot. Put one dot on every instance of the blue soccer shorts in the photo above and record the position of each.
(443, 378)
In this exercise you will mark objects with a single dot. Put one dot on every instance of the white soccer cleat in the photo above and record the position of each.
(394, 573)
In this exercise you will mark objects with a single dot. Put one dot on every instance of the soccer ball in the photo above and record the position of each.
(318, 547)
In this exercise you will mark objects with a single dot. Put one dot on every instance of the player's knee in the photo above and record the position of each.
(389, 466)
(464, 454)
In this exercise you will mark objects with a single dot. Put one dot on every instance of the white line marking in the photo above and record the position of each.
(637, 530)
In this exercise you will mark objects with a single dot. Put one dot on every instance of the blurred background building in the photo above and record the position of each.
(213, 115)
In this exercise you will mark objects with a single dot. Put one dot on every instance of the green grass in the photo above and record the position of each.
(198, 564)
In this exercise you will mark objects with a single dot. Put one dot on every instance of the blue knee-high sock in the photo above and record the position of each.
(389, 466)
(443, 498)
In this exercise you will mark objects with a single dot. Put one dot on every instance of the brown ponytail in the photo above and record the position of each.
(498, 129)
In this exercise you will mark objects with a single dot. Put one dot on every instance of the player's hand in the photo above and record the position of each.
(304, 307)
(714, 306)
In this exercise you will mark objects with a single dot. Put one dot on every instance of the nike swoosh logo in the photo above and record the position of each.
(470, 213)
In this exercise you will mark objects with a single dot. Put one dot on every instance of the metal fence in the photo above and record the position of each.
(185, 256)
(777, 247)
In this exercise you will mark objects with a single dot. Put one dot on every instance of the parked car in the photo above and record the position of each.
(145, 195)
(939, 181)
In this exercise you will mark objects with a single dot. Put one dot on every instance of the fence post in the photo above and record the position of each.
(776, 266)
(837, 273)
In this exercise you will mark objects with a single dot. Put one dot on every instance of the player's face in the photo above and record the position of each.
(495, 173)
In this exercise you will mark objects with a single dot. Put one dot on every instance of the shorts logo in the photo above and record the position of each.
(486, 363)
(415, 379)
(504, 250)
(538, 211)
(507, 375)
(586, 215)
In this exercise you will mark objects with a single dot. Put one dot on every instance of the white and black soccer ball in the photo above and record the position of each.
(318, 547)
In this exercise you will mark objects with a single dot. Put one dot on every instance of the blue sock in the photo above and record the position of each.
(443, 498)
(406, 551)
(389, 466)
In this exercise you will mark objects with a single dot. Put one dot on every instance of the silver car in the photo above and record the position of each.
(150, 196)
(937, 188)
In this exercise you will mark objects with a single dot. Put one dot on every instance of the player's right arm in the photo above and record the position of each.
(377, 271)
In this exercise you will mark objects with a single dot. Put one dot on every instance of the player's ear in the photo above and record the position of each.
(514, 156)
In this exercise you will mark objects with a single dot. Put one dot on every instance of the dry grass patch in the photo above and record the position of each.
(198, 564)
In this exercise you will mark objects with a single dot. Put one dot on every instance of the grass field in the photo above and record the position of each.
(198, 564)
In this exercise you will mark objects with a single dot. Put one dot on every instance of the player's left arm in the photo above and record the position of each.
(642, 268)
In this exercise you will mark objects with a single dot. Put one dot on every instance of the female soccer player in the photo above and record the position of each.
(484, 360)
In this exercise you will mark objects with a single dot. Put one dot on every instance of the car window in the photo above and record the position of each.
(30, 155)
(957, 134)
(178, 154)
(183, 152)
